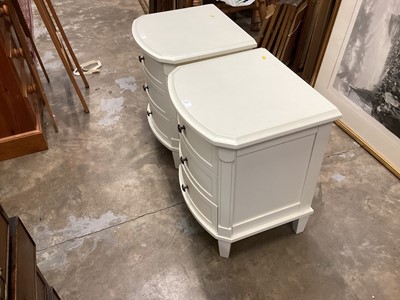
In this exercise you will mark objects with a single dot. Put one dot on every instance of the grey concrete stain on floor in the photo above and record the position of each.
(106, 212)
(127, 83)
(78, 227)
(338, 177)
(111, 107)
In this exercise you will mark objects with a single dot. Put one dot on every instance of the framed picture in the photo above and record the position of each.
(360, 74)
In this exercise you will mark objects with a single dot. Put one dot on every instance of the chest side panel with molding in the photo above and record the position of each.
(270, 180)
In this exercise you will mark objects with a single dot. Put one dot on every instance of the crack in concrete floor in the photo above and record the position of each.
(110, 227)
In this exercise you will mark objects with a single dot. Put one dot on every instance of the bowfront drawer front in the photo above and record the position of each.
(198, 202)
(162, 115)
(159, 123)
(198, 171)
(154, 70)
(155, 81)
(158, 97)
(205, 152)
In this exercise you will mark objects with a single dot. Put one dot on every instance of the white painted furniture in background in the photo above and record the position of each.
(177, 37)
(252, 141)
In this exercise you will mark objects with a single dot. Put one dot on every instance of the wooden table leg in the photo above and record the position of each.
(57, 44)
(65, 39)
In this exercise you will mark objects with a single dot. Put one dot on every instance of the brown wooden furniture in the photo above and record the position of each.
(257, 8)
(254, 8)
(20, 278)
(4, 250)
(286, 51)
(28, 35)
(152, 6)
(314, 37)
(280, 28)
(20, 88)
(17, 35)
(20, 91)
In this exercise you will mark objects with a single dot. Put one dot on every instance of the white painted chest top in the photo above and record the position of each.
(252, 140)
(185, 35)
(169, 39)
(246, 98)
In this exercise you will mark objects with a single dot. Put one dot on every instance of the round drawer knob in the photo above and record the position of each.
(149, 113)
(183, 159)
(145, 87)
(181, 127)
(141, 58)
(185, 187)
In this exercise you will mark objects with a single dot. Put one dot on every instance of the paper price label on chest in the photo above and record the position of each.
(187, 103)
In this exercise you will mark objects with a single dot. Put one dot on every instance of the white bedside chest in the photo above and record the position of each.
(252, 140)
(177, 37)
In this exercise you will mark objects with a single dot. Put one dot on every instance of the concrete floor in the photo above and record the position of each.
(105, 209)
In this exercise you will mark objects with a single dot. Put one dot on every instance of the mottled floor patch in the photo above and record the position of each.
(168, 284)
(54, 65)
(127, 83)
(338, 177)
(112, 107)
(47, 56)
(80, 226)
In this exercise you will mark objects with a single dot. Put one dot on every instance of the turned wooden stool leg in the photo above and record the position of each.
(57, 44)
(65, 39)
(39, 60)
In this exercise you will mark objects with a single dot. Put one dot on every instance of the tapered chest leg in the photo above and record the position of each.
(224, 248)
(299, 224)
